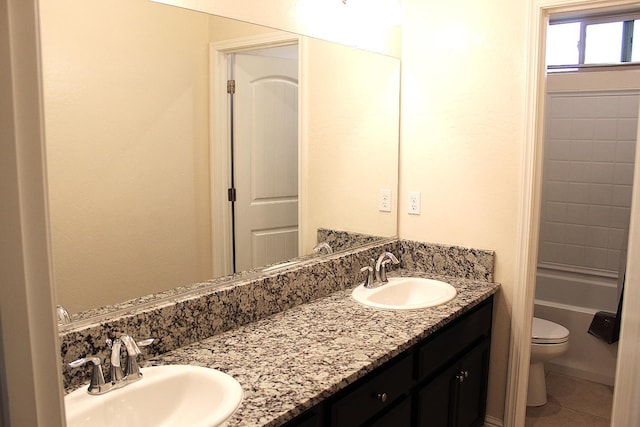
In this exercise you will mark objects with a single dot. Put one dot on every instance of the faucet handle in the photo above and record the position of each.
(368, 280)
(146, 342)
(97, 384)
(84, 360)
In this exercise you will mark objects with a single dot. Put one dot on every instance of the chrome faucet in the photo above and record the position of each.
(381, 266)
(323, 245)
(62, 315)
(118, 377)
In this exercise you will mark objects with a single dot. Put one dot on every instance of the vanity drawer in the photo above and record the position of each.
(436, 352)
(372, 396)
(400, 415)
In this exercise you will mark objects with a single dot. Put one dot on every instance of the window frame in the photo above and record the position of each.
(627, 19)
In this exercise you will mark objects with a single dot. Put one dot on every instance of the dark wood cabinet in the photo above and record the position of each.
(372, 396)
(440, 382)
(456, 396)
(471, 381)
(433, 400)
(399, 415)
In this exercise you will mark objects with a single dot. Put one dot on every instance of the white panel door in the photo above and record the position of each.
(265, 160)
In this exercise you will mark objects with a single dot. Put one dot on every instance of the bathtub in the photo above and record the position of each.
(571, 298)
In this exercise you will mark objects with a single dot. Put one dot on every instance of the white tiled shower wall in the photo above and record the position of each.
(587, 179)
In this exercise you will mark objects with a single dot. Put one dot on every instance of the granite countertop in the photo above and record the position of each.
(292, 360)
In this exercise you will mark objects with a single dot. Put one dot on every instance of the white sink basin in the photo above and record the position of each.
(405, 293)
(173, 395)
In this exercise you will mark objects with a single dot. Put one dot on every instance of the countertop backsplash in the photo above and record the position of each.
(205, 311)
(343, 240)
(444, 260)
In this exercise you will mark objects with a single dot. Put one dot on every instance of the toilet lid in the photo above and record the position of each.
(546, 332)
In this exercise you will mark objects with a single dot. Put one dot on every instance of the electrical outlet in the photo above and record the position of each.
(385, 201)
(414, 203)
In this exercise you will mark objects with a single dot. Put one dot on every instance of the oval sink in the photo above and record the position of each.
(173, 395)
(405, 293)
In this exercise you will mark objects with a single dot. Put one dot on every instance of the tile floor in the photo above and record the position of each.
(572, 402)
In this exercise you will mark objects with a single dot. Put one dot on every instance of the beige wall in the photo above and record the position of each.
(367, 26)
(463, 69)
(221, 29)
(127, 164)
(350, 132)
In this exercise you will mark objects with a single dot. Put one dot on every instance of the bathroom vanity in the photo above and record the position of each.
(441, 381)
(307, 354)
(335, 362)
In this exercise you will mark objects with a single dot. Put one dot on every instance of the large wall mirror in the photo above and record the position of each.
(138, 145)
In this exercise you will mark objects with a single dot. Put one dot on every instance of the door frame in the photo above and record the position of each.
(219, 135)
(626, 390)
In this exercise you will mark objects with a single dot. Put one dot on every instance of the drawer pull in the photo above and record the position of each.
(382, 397)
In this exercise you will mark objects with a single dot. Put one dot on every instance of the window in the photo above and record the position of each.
(596, 41)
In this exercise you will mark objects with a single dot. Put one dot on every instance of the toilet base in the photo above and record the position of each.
(537, 390)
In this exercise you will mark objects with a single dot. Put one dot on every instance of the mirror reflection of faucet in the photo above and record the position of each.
(323, 246)
(63, 315)
(118, 378)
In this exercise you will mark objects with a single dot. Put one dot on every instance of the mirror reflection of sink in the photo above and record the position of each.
(173, 395)
(405, 293)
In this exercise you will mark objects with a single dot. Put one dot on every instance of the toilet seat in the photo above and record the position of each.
(546, 332)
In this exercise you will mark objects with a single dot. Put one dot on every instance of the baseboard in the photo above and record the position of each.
(579, 373)
(490, 421)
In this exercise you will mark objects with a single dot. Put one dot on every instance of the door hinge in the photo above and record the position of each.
(231, 86)
(231, 194)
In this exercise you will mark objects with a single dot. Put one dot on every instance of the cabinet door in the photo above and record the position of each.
(435, 398)
(472, 386)
(451, 342)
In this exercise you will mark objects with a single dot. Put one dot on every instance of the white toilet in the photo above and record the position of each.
(548, 341)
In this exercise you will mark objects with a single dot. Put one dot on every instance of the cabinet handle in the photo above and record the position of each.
(462, 376)
(382, 397)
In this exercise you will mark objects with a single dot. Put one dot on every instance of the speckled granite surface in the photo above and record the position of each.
(207, 309)
(292, 360)
(446, 260)
(338, 240)
(181, 319)
(344, 240)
